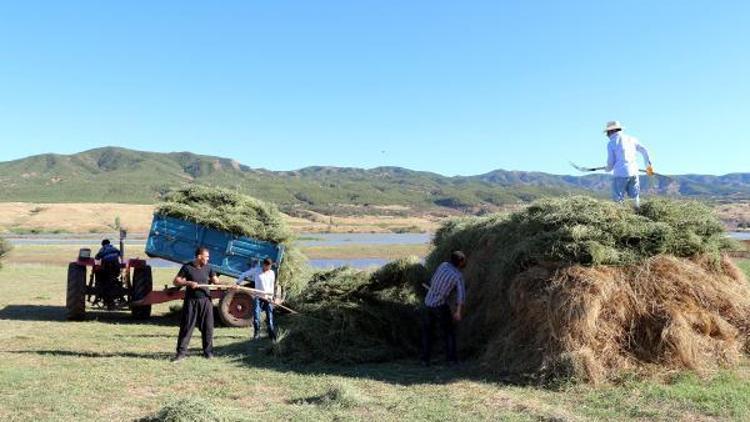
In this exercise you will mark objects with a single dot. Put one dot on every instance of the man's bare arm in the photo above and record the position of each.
(459, 312)
(181, 281)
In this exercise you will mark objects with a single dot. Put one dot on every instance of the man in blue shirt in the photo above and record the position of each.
(108, 253)
(107, 283)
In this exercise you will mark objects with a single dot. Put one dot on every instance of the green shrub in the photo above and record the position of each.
(5, 247)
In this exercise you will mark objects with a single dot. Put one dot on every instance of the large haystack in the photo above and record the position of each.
(233, 212)
(589, 289)
(352, 316)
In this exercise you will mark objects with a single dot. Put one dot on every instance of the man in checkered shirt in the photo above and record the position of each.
(446, 279)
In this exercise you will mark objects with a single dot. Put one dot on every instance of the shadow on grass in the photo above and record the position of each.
(90, 355)
(174, 336)
(255, 354)
(33, 313)
(59, 313)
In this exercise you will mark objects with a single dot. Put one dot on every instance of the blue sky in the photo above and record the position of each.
(444, 86)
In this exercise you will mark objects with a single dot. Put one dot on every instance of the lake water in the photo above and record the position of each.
(339, 239)
(307, 239)
(311, 239)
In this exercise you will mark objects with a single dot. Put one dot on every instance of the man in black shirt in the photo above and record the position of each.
(197, 308)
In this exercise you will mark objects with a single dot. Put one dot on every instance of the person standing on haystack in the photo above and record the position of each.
(621, 161)
(197, 308)
(264, 279)
(446, 279)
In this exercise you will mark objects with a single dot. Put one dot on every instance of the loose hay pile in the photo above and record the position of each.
(588, 289)
(352, 316)
(229, 211)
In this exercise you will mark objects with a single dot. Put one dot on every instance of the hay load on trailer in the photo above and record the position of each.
(239, 231)
(241, 215)
(588, 289)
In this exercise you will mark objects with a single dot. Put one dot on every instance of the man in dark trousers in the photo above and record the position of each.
(446, 279)
(264, 279)
(197, 308)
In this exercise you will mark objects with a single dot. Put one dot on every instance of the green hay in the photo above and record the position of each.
(233, 212)
(188, 410)
(5, 247)
(229, 211)
(352, 316)
(583, 288)
(586, 231)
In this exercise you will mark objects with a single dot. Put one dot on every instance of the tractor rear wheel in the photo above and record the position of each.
(142, 285)
(75, 301)
(236, 309)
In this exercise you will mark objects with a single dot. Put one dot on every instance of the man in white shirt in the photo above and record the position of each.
(622, 162)
(264, 279)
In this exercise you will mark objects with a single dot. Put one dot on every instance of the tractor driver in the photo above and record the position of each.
(109, 256)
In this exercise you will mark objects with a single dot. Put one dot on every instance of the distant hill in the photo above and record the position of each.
(113, 174)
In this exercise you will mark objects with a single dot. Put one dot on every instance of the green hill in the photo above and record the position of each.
(113, 174)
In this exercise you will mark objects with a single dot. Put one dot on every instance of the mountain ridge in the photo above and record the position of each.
(116, 174)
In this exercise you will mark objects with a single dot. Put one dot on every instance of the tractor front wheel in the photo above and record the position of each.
(236, 309)
(75, 301)
(142, 285)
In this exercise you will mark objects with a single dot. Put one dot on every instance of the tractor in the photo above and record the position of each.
(110, 286)
(175, 240)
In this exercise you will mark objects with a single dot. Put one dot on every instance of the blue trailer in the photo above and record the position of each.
(176, 240)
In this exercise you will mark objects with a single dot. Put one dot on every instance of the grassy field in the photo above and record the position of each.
(111, 368)
(745, 265)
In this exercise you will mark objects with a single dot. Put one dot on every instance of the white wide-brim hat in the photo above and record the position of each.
(613, 125)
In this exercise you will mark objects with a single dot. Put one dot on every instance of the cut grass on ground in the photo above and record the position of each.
(112, 368)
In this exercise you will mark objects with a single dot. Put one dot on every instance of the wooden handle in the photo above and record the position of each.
(253, 292)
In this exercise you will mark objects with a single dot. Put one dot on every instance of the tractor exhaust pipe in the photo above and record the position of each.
(123, 235)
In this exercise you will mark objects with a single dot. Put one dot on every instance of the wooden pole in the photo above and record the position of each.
(253, 292)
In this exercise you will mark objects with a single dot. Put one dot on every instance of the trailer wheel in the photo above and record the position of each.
(75, 301)
(236, 309)
(142, 285)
